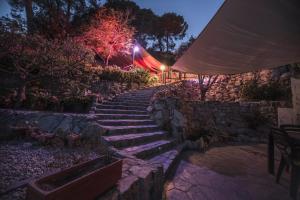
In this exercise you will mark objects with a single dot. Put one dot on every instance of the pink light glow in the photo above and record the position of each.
(136, 49)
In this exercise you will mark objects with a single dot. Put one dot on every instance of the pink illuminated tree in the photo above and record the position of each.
(108, 34)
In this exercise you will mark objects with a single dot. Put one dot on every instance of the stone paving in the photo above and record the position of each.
(232, 172)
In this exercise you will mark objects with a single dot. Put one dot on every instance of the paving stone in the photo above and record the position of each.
(232, 172)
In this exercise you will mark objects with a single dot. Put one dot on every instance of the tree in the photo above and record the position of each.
(29, 14)
(174, 28)
(169, 27)
(184, 46)
(205, 83)
(143, 20)
(53, 19)
(109, 34)
(31, 60)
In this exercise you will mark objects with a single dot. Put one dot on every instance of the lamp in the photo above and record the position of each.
(135, 50)
(163, 68)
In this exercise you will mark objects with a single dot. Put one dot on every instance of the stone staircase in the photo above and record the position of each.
(131, 131)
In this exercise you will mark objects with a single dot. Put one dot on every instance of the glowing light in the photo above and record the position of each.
(162, 67)
(136, 49)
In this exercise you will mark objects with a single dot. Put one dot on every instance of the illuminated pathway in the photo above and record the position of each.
(132, 132)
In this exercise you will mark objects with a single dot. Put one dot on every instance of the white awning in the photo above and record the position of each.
(246, 35)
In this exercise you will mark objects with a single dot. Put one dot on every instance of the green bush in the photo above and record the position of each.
(112, 73)
(153, 80)
(115, 74)
(270, 92)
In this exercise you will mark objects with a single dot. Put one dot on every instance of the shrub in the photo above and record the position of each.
(153, 80)
(31, 63)
(140, 76)
(184, 90)
(271, 92)
(77, 104)
(112, 73)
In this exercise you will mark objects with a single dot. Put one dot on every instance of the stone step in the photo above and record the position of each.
(135, 95)
(167, 160)
(148, 150)
(127, 103)
(121, 107)
(132, 101)
(127, 97)
(122, 116)
(119, 141)
(132, 122)
(119, 130)
(118, 111)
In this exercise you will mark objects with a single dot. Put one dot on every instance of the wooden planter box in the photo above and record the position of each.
(84, 181)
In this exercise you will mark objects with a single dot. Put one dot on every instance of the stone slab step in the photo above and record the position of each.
(121, 107)
(143, 98)
(127, 103)
(134, 96)
(119, 111)
(167, 160)
(119, 130)
(124, 122)
(122, 116)
(149, 149)
(131, 101)
(120, 141)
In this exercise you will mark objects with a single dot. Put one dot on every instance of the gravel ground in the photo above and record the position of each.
(20, 160)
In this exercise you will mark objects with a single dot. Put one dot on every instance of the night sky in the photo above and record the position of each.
(197, 13)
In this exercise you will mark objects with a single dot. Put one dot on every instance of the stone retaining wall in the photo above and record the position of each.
(235, 121)
(140, 180)
(56, 129)
(228, 87)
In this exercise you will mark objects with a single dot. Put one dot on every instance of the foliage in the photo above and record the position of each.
(114, 73)
(184, 90)
(43, 16)
(153, 80)
(162, 31)
(205, 83)
(74, 17)
(168, 58)
(141, 76)
(108, 34)
(184, 46)
(31, 61)
(272, 91)
(170, 27)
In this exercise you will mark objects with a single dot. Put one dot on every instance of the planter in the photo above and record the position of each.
(84, 181)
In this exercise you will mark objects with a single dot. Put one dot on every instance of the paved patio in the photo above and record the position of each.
(232, 172)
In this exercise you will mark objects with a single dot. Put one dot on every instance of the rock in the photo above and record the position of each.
(158, 115)
(285, 76)
(158, 106)
(57, 142)
(48, 122)
(73, 140)
(190, 145)
(149, 108)
(93, 131)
